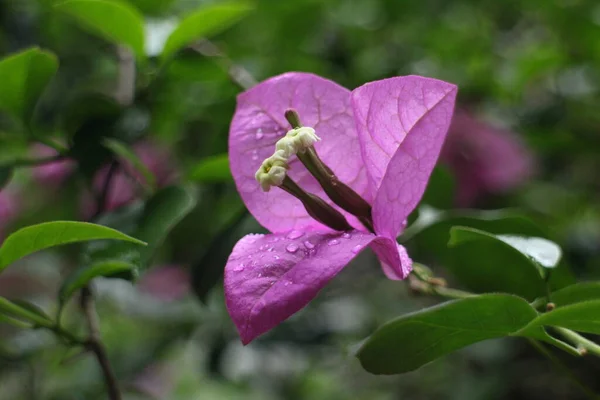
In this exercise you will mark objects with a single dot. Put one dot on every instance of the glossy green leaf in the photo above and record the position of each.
(212, 170)
(485, 263)
(125, 152)
(578, 293)
(25, 75)
(543, 251)
(42, 236)
(582, 317)
(206, 21)
(112, 20)
(413, 340)
(161, 214)
(12, 309)
(81, 277)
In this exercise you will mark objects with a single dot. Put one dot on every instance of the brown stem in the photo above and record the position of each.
(94, 343)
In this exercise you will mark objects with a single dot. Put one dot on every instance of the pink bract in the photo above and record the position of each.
(382, 139)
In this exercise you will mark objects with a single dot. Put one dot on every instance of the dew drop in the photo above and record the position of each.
(270, 249)
(309, 245)
(259, 134)
(295, 234)
(291, 248)
(333, 242)
(346, 235)
(239, 267)
(259, 274)
(276, 257)
(255, 155)
(356, 249)
(287, 283)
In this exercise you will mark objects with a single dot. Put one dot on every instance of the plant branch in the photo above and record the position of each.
(238, 74)
(94, 343)
(422, 281)
(583, 344)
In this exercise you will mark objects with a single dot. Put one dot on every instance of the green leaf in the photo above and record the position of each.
(578, 293)
(543, 251)
(213, 169)
(413, 340)
(115, 21)
(5, 175)
(161, 214)
(25, 75)
(483, 262)
(12, 309)
(582, 317)
(42, 236)
(206, 21)
(81, 277)
(125, 152)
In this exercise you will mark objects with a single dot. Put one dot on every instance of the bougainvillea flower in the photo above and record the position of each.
(484, 159)
(52, 173)
(123, 187)
(381, 139)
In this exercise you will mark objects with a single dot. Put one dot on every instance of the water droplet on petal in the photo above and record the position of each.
(259, 134)
(356, 249)
(255, 155)
(270, 249)
(287, 283)
(309, 245)
(295, 234)
(333, 242)
(346, 235)
(239, 267)
(276, 257)
(259, 274)
(291, 248)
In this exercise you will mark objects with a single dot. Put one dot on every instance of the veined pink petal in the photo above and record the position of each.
(259, 122)
(402, 123)
(395, 262)
(270, 277)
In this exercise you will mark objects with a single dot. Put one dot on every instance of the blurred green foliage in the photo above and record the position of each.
(530, 66)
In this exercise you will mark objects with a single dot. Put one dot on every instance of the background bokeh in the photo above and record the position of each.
(526, 136)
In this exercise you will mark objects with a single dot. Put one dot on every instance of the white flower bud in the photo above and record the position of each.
(297, 140)
(272, 171)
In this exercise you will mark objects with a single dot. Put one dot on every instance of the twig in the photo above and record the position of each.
(583, 344)
(94, 343)
(125, 92)
(422, 281)
(562, 367)
(238, 74)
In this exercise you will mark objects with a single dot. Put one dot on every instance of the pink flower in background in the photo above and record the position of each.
(9, 209)
(484, 159)
(168, 282)
(124, 187)
(53, 173)
(382, 139)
